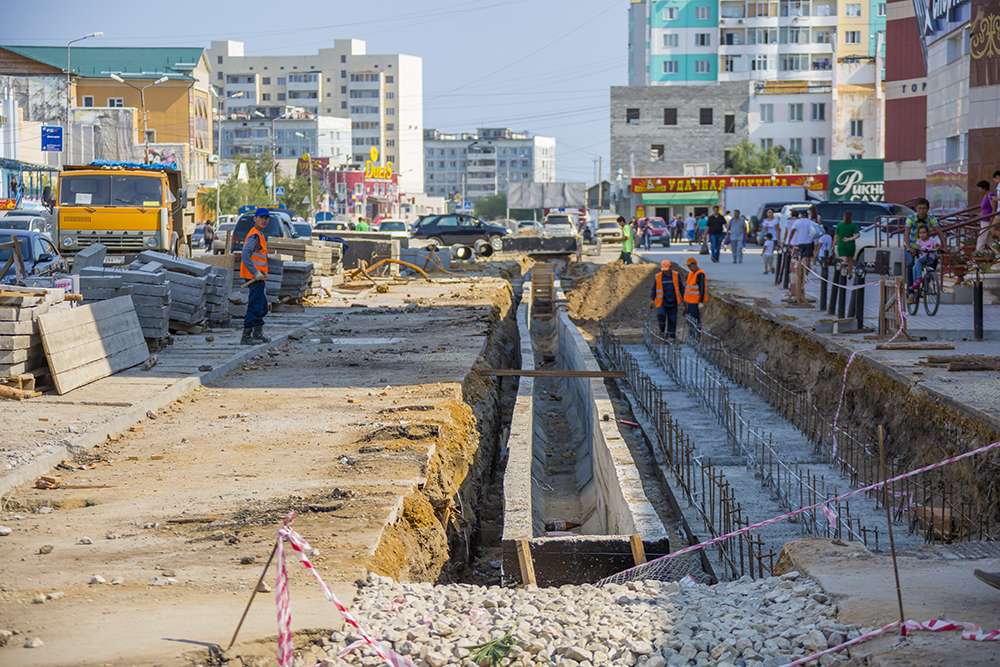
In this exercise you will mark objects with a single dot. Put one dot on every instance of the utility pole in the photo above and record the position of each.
(69, 91)
(600, 184)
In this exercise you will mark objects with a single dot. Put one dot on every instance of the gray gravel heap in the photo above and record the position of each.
(754, 623)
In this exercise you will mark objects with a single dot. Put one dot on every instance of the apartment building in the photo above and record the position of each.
(792, 54)
(485, 162)
(288, 138)
(381, 94)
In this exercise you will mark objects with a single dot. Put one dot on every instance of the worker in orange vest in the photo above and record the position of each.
(666, 300)
(253, 267)
(695, 290)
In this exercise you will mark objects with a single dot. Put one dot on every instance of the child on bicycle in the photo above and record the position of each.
(927, 253)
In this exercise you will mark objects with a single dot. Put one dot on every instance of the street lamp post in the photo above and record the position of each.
(312, 205)
(145, 115)
(274, 151)
(69, 86)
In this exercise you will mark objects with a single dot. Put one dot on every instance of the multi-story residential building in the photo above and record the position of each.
(478, 164)
(793, 53)
(168, 88)
(381, 94)
(288, 138)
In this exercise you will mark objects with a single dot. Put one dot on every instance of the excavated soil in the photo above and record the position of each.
(613, 292)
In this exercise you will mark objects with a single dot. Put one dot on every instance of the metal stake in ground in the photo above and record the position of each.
(252, 595)
(888, 518)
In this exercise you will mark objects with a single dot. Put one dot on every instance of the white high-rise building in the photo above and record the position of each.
(481, 163)
(382, 94)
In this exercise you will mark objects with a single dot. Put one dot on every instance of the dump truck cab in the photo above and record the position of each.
(127, 207)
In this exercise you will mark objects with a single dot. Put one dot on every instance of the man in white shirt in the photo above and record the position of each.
(690, 225)
(798, 236)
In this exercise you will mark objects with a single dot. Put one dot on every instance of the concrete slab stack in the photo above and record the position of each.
(275, 274)
(148, 288)
(100, 287)
(296, 280)
(21, 349)
(188, 283)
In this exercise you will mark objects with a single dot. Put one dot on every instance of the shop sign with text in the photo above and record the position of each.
(815, 182)
(857, 180)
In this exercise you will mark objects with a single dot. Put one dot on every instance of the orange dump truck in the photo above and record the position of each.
(126, 206)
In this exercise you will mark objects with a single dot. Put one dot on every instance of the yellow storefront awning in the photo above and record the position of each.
(704, 197)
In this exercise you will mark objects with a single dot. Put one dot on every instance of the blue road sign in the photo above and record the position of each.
(467, 206)
(52, 138)
(279, 192)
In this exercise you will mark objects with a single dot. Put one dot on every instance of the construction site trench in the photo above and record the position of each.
(386, 429)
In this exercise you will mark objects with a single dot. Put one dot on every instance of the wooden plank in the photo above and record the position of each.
(972, 366)
(915, 346)
(638, 551)
(524, 559)
(92, 342)
(948, 358)
(550, 373)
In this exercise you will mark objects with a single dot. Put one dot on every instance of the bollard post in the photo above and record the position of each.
(824, 273)
(787, 263)
(834, 291)
(842, 297)
(977, 308)
(859, 310)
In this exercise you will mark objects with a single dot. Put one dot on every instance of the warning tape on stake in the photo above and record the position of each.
(970, 631)
(297, 543)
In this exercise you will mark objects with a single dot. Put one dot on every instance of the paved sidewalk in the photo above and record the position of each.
(974, 389)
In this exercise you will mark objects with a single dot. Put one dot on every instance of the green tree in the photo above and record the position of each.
(491, 207)
(749, 158)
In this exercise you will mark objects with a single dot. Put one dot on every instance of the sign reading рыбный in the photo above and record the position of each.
(857, 180)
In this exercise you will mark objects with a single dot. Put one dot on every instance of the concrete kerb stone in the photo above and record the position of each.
(175, 390)
(519, 501)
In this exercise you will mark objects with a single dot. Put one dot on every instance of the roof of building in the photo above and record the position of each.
(98, 62)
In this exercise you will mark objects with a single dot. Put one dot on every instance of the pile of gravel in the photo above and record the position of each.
(754, 623)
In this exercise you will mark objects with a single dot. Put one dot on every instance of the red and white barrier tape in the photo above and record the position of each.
(970, 631)
(848, 288)
(297, 543)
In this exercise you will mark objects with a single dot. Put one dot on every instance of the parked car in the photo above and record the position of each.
(303, 229)
(608, 230)
(776, 206)
(660, 232)
(785, 214)
(559, 224)
(863, 213)
(39, 254)
(219, 244)
(31, 222)
(279, 225)
(452, 228)
(394, 227)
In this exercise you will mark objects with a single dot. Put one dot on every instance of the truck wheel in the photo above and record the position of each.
(184, 252)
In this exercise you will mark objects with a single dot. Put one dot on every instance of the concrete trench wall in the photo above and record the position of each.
(615, 504)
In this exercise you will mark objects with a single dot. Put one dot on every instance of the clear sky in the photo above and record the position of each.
(544, 66)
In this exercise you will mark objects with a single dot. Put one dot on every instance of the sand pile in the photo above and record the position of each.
(615, 291)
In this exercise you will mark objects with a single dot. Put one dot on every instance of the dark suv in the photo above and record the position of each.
(862, 212)
(453, 228)
(279, 224)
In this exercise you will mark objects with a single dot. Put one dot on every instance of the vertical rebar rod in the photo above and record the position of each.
(888, 519)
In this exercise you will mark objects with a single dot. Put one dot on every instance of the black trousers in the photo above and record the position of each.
(667, 317)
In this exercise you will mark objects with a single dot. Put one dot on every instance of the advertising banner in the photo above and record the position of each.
(815, 182)
(857, 180)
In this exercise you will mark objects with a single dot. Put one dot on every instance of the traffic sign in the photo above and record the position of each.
(467, 206)
(52, 138)
(279, 192)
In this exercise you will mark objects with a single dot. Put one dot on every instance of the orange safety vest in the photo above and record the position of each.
(691, 288)
(659, 288)
(257, 258)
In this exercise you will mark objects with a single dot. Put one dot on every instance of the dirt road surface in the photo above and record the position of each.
(344, 426)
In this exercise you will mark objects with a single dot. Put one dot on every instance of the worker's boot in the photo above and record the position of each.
(247, 337)
(258, 335)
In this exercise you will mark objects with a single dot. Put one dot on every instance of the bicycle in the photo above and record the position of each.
(929, 289)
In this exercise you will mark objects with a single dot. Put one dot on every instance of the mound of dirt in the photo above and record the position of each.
(615, 291)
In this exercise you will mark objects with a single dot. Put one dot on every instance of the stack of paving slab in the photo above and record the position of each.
(146, 285)
(324, 256)
(188, 283)
(21, 350)
(296, 279)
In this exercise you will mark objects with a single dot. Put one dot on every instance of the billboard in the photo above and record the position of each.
(857, 180)
(547, 195)
(815, 182)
